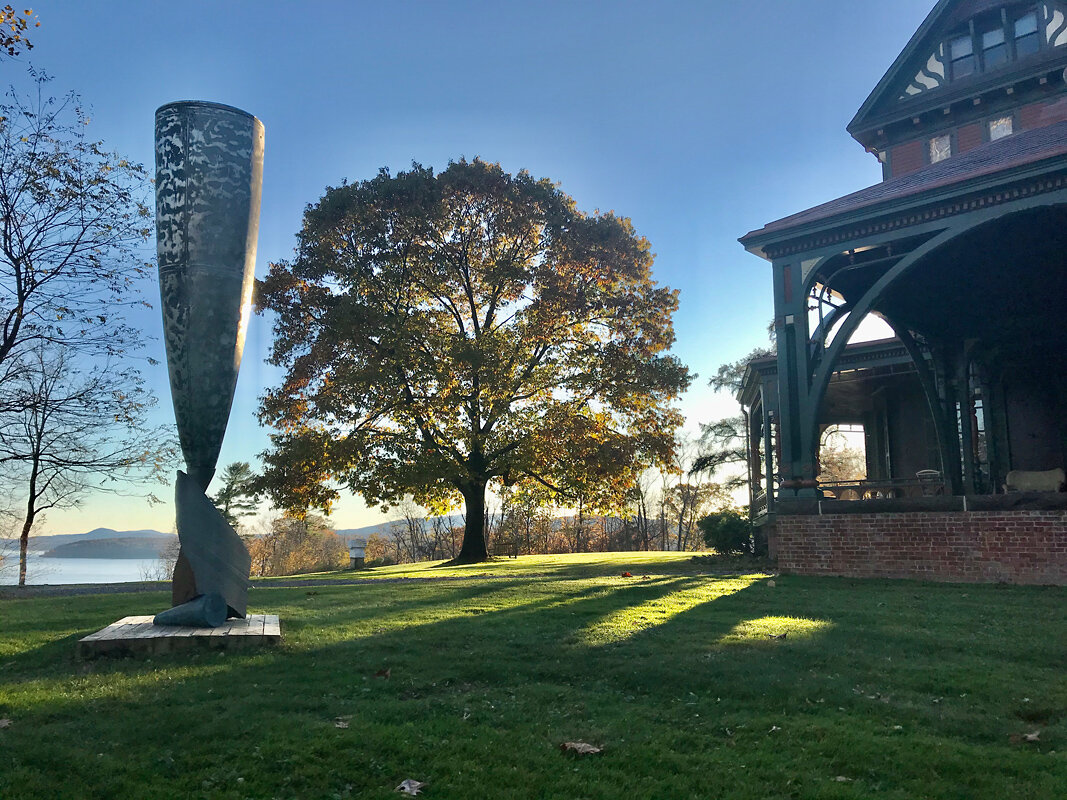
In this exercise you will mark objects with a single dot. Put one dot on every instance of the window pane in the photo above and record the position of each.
(992, 38)
(962, 66)
(1026, 45)
(1026, 24)
(940, 148)
(999, 128)
(995, 56)
(963, 46)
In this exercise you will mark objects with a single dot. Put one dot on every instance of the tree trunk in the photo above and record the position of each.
(473, 549)
(24, 541)
(27, 524)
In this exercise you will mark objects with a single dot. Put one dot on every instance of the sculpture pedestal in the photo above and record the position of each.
(138, 636)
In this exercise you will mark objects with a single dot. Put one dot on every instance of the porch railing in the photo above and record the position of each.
(759, 504)
(882, 489)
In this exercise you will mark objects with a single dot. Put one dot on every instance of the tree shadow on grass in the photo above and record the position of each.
(515, 658)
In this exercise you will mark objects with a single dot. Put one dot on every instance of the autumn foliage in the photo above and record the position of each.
(444, 332)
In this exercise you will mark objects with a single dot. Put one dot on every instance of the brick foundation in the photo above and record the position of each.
(1015, 546)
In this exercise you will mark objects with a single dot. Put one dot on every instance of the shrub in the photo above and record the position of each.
(298, 545)
(728, 532)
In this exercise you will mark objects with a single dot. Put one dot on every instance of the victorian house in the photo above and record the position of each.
(962, 250)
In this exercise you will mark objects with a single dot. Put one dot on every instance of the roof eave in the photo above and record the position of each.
(756, 242)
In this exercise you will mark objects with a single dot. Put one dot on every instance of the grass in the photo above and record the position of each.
(879, 689)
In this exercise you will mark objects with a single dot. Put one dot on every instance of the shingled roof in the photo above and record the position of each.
(1009, 153)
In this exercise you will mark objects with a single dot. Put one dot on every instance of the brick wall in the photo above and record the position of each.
(969, 137)
(1025, 547)
(907, 157)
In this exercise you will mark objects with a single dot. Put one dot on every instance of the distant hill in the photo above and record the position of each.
(114, 547)
(38, 543)
(386, 528)
(109, 543)
(382, 529)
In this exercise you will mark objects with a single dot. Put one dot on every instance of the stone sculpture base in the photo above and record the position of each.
(138, 636)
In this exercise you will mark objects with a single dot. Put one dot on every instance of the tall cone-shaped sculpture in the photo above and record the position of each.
(209, 174)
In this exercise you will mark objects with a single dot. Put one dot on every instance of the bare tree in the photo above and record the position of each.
(291, 545)
(72, 430)
(74, 220)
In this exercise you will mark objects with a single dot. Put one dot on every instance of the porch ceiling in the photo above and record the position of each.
(1004, 282)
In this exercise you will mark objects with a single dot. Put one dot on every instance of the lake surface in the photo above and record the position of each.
(79, 570)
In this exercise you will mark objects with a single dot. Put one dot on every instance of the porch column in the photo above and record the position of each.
(954, 455)
(791, 324)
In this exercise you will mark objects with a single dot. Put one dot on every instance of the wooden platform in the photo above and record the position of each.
(138, 636)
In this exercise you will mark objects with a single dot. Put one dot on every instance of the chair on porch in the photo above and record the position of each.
(930, 482)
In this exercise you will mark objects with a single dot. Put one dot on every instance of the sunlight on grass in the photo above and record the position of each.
(579, 564)
(770, 628)
(643, 616)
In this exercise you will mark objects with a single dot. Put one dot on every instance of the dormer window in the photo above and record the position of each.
(1027, 37)
(993, 40)
(961, 51)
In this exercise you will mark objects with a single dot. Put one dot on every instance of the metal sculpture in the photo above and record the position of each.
(209, 174)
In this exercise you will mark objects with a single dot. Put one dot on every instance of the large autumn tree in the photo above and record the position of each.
(442, 331)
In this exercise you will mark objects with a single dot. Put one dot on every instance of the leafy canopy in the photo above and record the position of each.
(13, 27)
(439, 331)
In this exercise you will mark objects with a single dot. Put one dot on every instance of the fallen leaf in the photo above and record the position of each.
(581, 748)
(1033, 736)
(627, 574)
(410, 786)
(777, 635)
(342, 722)
(5, 723)
(773, 729)
(771, 584)
(843, 779)
(383, 673)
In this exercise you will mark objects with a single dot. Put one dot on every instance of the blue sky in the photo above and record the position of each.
(698, 120)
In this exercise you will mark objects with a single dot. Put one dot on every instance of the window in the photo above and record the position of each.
(994, 48)
(940, 148)
(961, 51)
(999, 128)
(1027, 36)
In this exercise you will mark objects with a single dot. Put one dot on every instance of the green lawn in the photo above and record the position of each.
(878, 690)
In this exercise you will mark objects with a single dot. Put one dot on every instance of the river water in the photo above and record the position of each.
(79, 570)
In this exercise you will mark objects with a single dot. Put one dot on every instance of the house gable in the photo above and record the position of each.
(970, 61)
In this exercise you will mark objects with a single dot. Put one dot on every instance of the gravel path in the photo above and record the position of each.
(72, 589)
